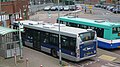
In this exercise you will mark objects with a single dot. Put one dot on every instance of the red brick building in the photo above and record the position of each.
(108, 1)
(13, 10)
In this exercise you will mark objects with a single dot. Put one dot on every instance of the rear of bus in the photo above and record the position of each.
(86, 45)
(115, 38)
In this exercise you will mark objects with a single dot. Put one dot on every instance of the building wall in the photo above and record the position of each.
(17, 10)
(7, 7)
(108, 1)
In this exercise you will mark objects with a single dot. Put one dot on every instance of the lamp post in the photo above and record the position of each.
(1, 11)
(21, 46)
(118, 4)
(60, 58)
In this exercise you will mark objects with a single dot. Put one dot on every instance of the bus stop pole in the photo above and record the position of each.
(60, 58)
(21, 46)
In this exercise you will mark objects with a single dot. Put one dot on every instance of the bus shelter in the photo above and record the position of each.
(9, 42)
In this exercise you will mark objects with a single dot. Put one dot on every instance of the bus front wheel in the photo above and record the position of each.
(54, 52)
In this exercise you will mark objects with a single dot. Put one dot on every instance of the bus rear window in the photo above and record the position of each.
(87, 36)
(116, 30)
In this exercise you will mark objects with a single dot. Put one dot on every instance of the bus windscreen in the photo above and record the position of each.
(87, 36)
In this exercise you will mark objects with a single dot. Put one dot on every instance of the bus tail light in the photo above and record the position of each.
(111, 42)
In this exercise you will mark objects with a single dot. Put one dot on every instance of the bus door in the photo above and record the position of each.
(100, 32)
(36, 40)
(28, 37)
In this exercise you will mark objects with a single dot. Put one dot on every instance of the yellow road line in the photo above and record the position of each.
(107, 57)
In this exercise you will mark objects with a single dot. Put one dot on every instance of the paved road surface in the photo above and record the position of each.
(35, 59)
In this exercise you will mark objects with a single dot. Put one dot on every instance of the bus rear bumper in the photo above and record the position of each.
(92, 56)
(105, 45)
(80, 59)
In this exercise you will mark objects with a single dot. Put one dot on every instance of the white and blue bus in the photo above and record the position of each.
(76, 44)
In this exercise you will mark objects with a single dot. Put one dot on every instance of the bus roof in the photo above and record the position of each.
(4, 30)
(96, 23)
(51, 27)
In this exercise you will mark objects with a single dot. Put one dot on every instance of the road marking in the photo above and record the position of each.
(69, 66)
(107, 57)
(104, 66)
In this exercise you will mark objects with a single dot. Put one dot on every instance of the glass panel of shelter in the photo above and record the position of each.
(9, 38)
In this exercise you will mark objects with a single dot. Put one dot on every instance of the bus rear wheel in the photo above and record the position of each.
(54, 52)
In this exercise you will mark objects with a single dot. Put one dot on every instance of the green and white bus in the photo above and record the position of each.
(108, 33)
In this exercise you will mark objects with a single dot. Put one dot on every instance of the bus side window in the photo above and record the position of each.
(61, 22)
(54, 39)
(83, 26)
(57, 20)
(79, 25)
(86, 27)
(45, 37)
(64, 22)
(115, 30)
(72, 45)
(119, 29)
(89, 27)
(70, 24)
(67, 24)
(93, 28)
(65, 42)
(100, 32)
(29, 35)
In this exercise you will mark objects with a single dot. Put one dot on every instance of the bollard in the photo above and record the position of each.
(26, 62)
(90, 11)
(41, 65)
(15, 59)
(85, 10)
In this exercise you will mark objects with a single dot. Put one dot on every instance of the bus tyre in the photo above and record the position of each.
(54, 52)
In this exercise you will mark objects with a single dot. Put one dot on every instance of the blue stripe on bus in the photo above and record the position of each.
(108, 45)
(63, 50)
(49, 46)
(83, 53)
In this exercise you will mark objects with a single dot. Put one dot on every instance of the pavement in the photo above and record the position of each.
(36, 58)
(97, 13)
(31, 58)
